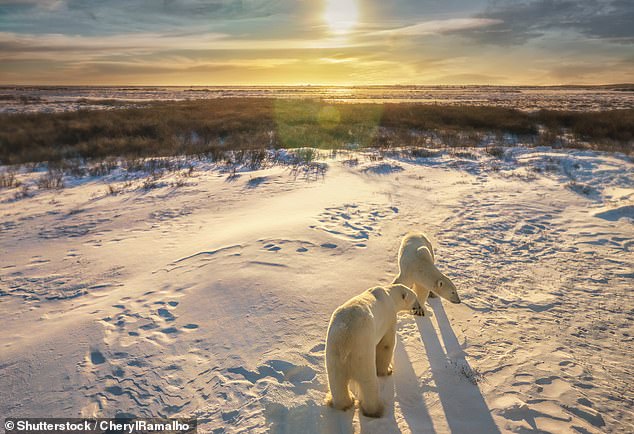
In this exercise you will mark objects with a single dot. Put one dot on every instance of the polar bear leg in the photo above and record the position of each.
(421, 295)
(338, 379)
(368, 386)
(384, 353)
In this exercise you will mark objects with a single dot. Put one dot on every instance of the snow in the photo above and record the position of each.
(209, 293)
(33, 99)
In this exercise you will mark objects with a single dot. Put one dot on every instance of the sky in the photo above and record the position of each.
(318, 42)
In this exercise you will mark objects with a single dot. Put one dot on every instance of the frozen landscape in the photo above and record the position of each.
(190, 188)
(206, 291)
(51, 99)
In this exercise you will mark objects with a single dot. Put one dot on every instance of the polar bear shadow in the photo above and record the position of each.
(464, 406)
(310, 418)
(409, 393)
(315, 418)
(387, 423)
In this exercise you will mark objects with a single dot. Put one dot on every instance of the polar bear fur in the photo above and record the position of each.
(417, 271)
(360, 345)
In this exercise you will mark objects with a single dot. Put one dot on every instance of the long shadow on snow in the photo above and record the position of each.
(464, 406)
(409, 393)
(317, 418)
(310, 418)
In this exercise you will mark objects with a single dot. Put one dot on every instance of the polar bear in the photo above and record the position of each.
(360, 345)
(417, 271)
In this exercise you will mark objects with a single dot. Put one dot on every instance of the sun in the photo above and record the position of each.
(341, 15)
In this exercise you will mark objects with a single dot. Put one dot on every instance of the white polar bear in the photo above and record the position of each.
(360, 345)
(417, 271)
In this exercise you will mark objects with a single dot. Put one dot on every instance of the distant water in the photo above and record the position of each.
(21, 99)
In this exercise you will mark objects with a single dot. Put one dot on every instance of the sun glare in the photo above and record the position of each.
(341, 15)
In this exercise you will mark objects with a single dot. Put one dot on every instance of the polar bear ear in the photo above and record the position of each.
(425, 254)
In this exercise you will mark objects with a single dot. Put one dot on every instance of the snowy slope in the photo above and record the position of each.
(209, 295)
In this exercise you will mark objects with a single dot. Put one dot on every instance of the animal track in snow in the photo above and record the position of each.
(141, 319)
(278, 369)
(354, 222)
(286, 245)
(118, 378)
(170, 213)
(67, 231)
(54, 286)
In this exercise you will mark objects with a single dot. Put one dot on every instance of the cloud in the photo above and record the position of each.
(288, 41)
(176, 65)
(216, 8)
(68, 48)
(520, 22)
(97, 17)
(46, 4)
(443, 26)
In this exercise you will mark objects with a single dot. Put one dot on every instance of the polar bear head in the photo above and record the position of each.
(426, 274)
(403, 297)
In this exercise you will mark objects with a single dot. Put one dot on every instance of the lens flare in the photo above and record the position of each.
(328, 117)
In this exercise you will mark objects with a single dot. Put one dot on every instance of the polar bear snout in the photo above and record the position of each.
(446, 289)
(454, 297)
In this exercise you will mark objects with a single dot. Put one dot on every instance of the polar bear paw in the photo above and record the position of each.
(384, 373)
(374, 411)
(419, 310)
(342, 405)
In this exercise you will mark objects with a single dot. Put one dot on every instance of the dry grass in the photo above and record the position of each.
(8, 180)
(53, 179)
(213, 127)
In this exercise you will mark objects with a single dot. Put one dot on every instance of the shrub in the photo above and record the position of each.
(213, 127)
(496, 151)
(424, 153)
(468, 155)
(8, 180)
(53, 179)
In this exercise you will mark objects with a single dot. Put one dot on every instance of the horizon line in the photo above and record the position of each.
(4, 85)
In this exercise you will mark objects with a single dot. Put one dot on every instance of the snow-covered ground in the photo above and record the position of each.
(30, 99)
(209, 293)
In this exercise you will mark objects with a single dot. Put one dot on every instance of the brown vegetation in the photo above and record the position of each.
(212, 127)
